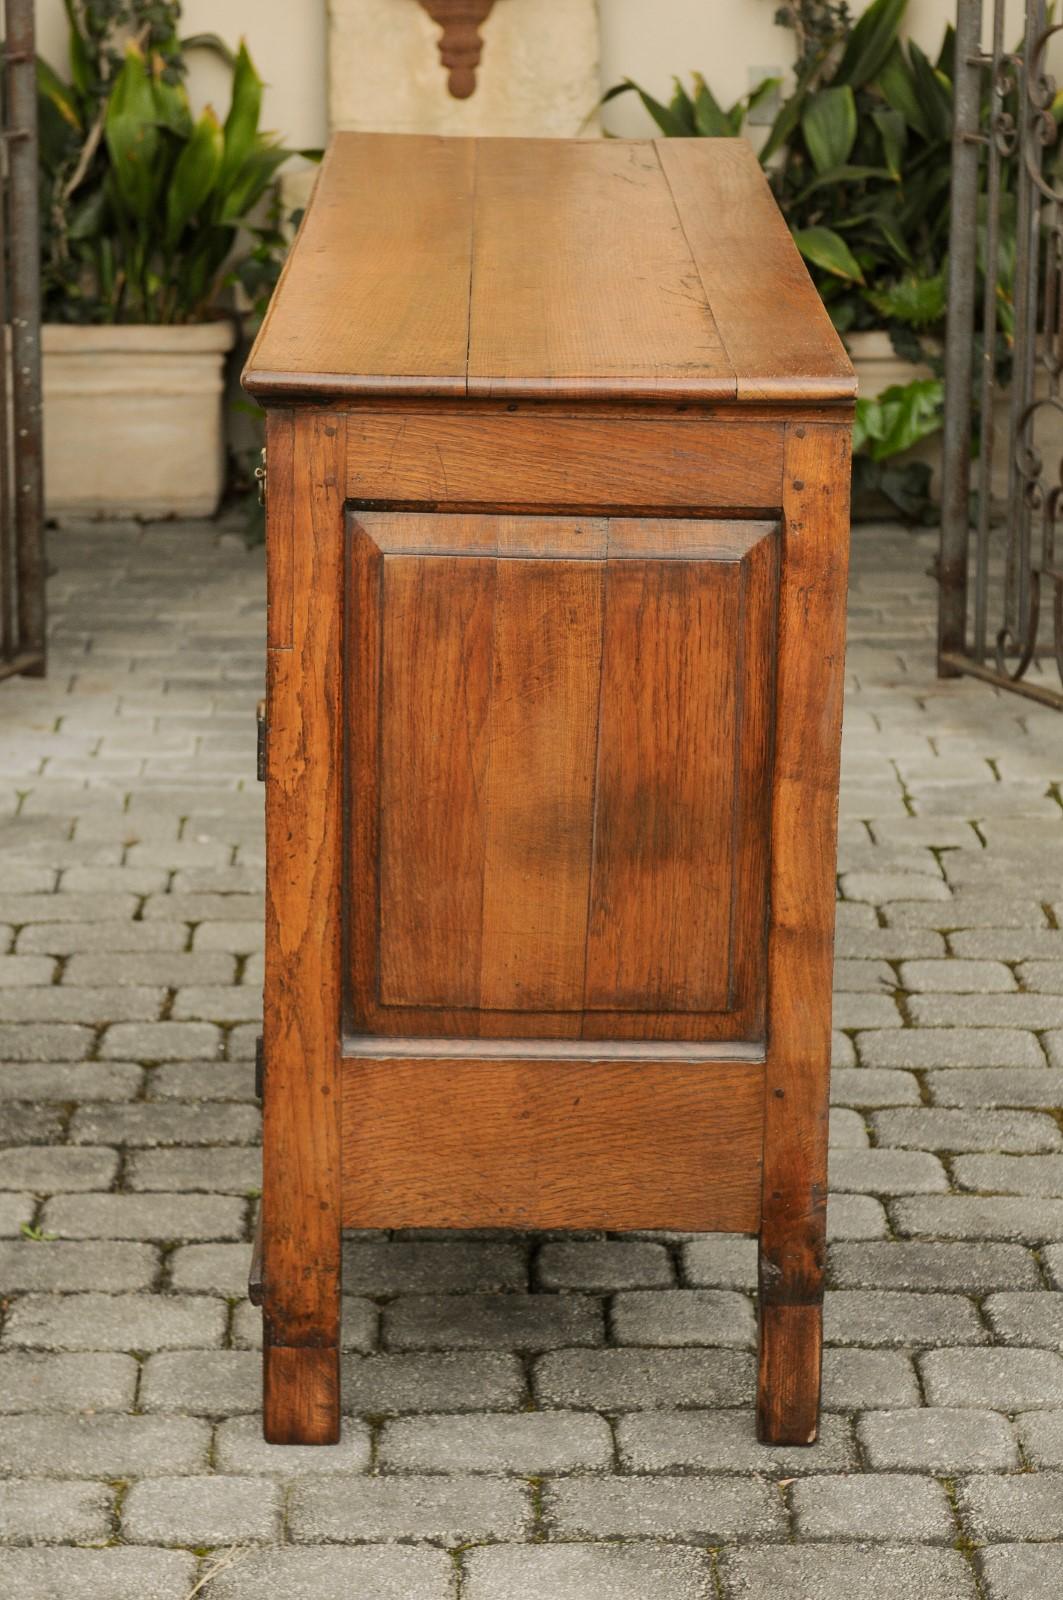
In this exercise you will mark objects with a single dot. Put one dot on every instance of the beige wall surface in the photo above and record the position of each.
(287, 42)
(644, 39)
(733, 43)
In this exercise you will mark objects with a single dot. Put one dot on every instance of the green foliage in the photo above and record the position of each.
(899, 417)
(699, 114)
(36, 1235)
(145, 208)
(858, 157)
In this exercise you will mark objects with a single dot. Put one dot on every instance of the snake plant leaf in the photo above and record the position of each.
(81, 73)
(827, 249)
(710, 119)
(828, 123)
(934, 91)
(682, 108)
(870, 42)
(763, 91)
(250, 182)
(897, 84)
(788, 116)
(132, 135)
(57, 93)
(669, 123)
(194, 175)
(893, 132)
(946, 61)
(172, 109)
(241, 125)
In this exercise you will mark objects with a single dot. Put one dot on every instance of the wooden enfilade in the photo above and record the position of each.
(558, 442)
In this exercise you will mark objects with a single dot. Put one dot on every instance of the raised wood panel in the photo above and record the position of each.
(659, 935)
(539, 799)
(437, 613)
(600, 464)
(552, 1144)
(569, 829)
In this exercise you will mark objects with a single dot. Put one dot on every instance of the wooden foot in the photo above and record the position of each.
(300, 1395)
(788, 1376)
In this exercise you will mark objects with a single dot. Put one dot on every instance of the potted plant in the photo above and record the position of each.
(859, 159)
(143, 206)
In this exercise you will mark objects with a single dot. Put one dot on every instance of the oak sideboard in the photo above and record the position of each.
(557, 469)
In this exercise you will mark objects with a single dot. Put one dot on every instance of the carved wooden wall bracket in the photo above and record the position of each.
(460, 44)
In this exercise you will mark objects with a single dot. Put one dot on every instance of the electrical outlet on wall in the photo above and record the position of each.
(765, 111)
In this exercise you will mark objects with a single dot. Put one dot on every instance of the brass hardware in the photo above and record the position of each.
(260, 478)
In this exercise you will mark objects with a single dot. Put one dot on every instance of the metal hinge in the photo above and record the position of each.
(260, 1069)
(260, 478)
(260, 715)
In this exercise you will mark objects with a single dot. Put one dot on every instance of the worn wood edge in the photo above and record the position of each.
(280, 529)
(573, 386)
(840, 392)
(300, 1394)
(248, 375)
(788, 1381)
(301, 1145)
(280, 388)
(381, 1047)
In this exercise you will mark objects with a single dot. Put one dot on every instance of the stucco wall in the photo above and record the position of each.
(646, 39)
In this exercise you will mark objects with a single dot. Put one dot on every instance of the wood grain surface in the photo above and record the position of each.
(301, 1136)
(594, 464)
(552, 1144)
(376, 286)
(545, 269)
(607, 298)
(548, 717)
(800, 943)
(747, 262)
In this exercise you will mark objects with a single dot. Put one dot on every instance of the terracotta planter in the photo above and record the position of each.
(133, 423)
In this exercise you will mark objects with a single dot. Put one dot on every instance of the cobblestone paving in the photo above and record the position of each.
(564, 1418)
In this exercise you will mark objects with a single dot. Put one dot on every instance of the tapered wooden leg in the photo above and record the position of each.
(300, 1395)
(301, 1100)
(788, 1373)
(801, 940)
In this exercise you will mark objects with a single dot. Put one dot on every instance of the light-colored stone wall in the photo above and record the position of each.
(392, 73)
(538, 74)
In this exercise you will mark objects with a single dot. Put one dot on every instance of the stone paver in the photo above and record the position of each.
(566, 1416)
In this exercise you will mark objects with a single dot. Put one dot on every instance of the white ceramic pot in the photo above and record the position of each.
(133, 423)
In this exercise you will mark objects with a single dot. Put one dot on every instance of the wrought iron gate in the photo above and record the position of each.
(22, 569)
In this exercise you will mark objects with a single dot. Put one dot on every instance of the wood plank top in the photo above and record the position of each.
(546, 269)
